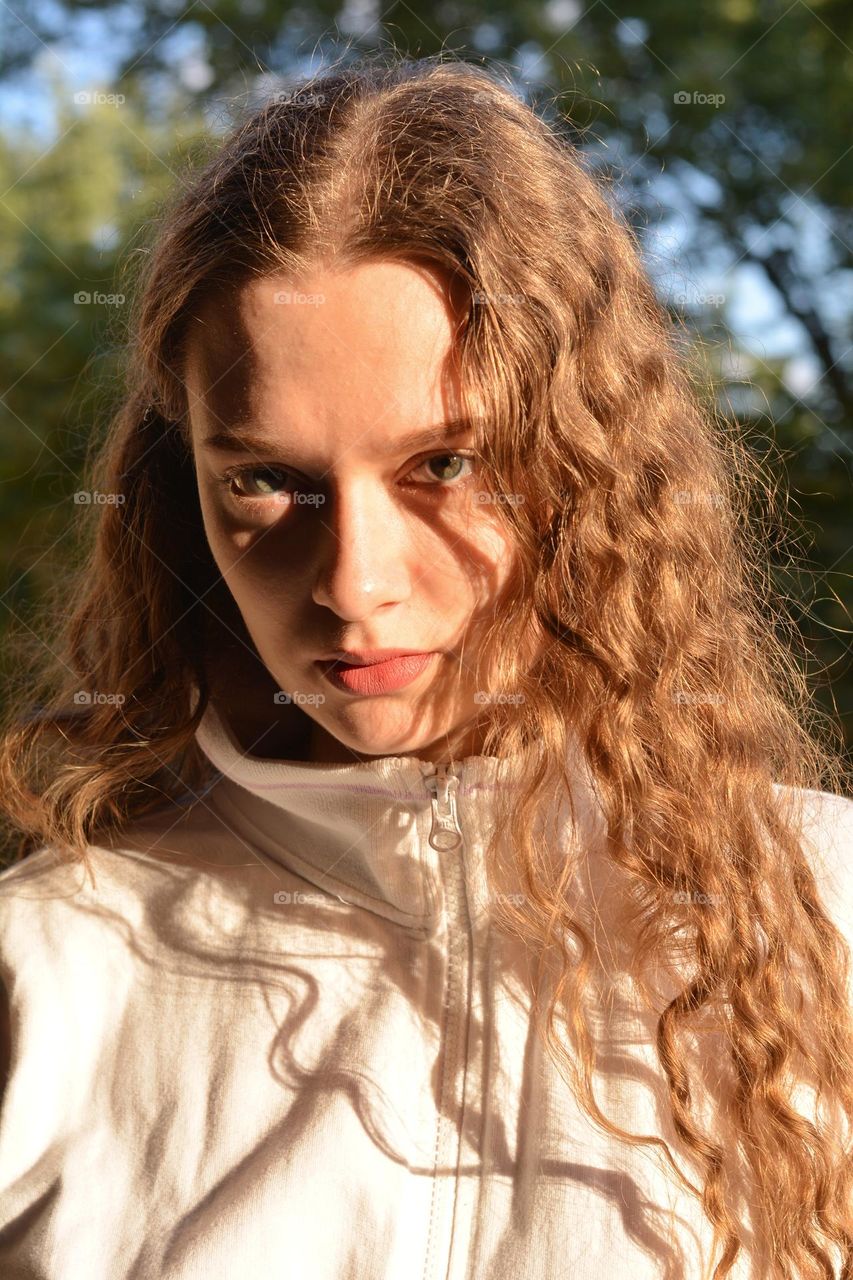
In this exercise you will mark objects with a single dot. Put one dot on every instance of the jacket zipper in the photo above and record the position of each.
(445, 835)
(445, 832)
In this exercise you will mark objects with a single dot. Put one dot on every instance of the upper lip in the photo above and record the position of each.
(367, 657)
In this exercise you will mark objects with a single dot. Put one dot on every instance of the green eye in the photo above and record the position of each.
(272, 481)
(445, 467)
(450, 465)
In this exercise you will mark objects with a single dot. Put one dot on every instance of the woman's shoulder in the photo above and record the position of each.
(160, 856)
(43, 876)
(825, 822)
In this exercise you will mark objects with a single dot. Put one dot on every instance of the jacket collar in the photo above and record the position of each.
(359, 831)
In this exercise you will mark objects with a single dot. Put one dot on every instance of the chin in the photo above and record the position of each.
(372, 740)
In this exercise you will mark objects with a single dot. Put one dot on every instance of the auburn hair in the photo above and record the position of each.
(637, 513)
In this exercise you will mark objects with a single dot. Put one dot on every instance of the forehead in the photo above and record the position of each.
(380, 334)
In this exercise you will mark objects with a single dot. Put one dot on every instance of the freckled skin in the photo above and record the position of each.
(399, 553)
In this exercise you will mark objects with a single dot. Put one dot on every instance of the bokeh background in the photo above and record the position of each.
(723, 128)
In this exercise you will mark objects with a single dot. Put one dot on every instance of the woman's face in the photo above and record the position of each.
(331, 527)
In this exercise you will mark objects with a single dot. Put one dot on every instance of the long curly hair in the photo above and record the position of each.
(644, 561)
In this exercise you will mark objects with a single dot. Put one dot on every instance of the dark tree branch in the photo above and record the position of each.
(778, 267)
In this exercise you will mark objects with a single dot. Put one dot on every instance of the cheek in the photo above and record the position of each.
(495, 556)
(264, 588)
(497, 545)
(242, 566)
(215, 527)
(244, 553)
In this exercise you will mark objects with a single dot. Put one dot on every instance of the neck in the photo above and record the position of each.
(324, 748)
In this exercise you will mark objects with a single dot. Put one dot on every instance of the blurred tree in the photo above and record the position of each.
(70, 217)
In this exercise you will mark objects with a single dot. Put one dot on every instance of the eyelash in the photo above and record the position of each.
(235, 473)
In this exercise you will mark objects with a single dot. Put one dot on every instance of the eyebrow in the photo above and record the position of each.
(235, 440)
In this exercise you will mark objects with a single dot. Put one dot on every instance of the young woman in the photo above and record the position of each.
(427, 871)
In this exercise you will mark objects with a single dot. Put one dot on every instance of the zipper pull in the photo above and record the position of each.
(445, 832)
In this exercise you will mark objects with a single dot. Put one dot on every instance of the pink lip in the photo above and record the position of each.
(365, 657)
(376, 677)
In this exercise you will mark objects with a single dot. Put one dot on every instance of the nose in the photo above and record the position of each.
(363, 554)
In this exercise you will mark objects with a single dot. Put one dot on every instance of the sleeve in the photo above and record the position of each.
(5, 1041)
(828, 831)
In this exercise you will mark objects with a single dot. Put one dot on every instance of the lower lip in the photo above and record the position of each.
(379, 677)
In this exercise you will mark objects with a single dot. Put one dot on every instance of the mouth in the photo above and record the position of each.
(368, 657)
(376, 672)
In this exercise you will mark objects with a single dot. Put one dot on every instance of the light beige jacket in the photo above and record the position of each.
(279, 1039)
